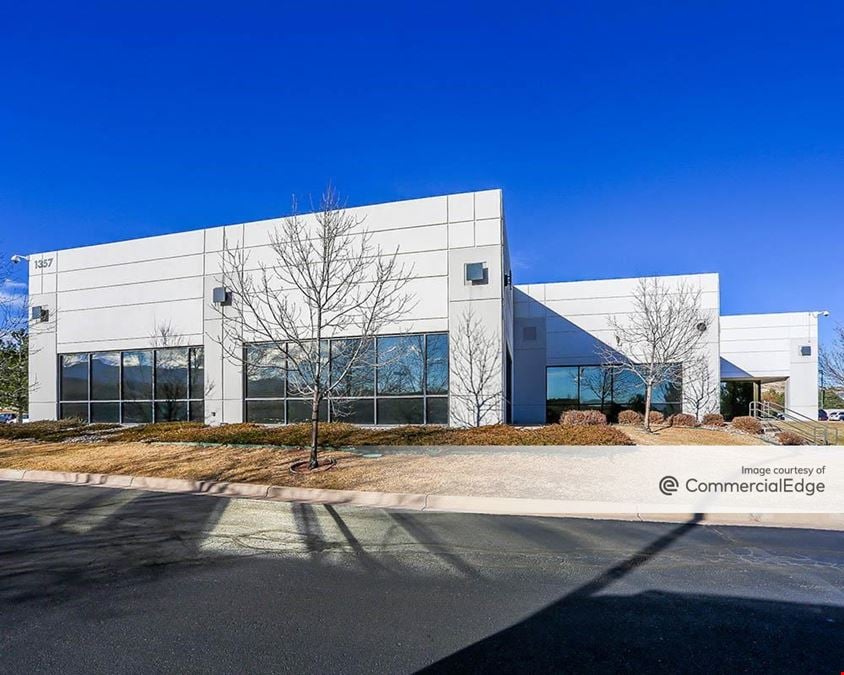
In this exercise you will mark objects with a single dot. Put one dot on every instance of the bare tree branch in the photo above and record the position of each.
(831, 360)
(700, 387)
(326, 279)
(476, 371)
(664, 331)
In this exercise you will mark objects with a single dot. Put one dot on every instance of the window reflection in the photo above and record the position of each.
(105, 377)
(171, 374)
(605, 388)
(265, 367)
(400, 365)
(436, 355)
(412, 369)
(74, 378)
(137, 375)
(135, 386)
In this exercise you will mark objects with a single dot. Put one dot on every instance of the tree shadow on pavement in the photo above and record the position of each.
(99, 535)
(587, 631)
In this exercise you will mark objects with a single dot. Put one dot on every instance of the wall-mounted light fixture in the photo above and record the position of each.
(806, 350)
(702, 326)
(221, 296)
(39, 313)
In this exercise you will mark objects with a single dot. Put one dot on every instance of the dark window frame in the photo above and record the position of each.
(424, 395)
(191, 402)
(611, 403)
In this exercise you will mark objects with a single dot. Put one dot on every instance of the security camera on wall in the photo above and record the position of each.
(16, 259)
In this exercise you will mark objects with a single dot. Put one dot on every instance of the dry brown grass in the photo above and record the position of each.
(513, 475)
(685, 436)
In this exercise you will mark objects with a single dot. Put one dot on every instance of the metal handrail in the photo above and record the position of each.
(797, 422)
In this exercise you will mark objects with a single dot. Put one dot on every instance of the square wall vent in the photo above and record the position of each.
(474, 272)
(806, 350)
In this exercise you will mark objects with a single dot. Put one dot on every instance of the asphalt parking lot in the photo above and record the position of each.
(104, 580)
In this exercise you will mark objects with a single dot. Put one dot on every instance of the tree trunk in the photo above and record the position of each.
(313, 462)
(648, 395)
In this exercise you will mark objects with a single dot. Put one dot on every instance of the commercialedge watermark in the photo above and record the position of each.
(769, 480)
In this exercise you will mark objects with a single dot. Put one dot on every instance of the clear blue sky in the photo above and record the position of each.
(629, 138)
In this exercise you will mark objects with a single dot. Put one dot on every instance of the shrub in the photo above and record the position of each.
(656, 417)
(713, 420)
(584, 418)
(630, 417)
(682, 420)
(790, 438)
(749, 425)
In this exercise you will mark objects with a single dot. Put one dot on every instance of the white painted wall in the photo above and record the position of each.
(112, 296)
(768, 347)
(572, 322)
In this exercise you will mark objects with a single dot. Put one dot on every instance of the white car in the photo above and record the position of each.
(836, 415)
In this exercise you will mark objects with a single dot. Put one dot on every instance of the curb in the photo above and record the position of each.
(510, 506)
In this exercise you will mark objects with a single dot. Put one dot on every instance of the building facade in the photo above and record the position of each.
(130, 332)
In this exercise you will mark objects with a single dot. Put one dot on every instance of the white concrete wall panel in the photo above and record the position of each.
(576, 317)
(122, 252)
(113, 296)
(768, 347)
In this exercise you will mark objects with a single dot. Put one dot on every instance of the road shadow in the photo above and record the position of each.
(97, 535)
(655, 631)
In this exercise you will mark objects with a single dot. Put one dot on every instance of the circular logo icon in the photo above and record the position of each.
(668, 485)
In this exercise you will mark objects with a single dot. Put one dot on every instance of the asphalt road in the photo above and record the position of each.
(99, 580)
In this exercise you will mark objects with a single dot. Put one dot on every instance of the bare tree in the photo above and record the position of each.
(327, 279)
(699, 386)
(165, 335)
(831, 360)
(475, 371)
(664, 330)
(597, 383)
(12, 303)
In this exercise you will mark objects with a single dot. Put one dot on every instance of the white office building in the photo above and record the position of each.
(97, 313)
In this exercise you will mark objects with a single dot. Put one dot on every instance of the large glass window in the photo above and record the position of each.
(197, 373)
(436, 355)
(394, 380)
(74, 377)
(561, 391)
(359, 379)
(264, 366)
(105, 376)
(137, 375)
(171, 374)
(400, 365)
(605, 388)
(134, 386)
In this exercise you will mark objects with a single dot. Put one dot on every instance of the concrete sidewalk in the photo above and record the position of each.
(424, 502)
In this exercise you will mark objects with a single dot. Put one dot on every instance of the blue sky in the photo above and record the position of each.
(629, 138)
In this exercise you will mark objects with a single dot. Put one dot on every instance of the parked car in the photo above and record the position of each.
(836, 416)
(8, 418)
(822, 416)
